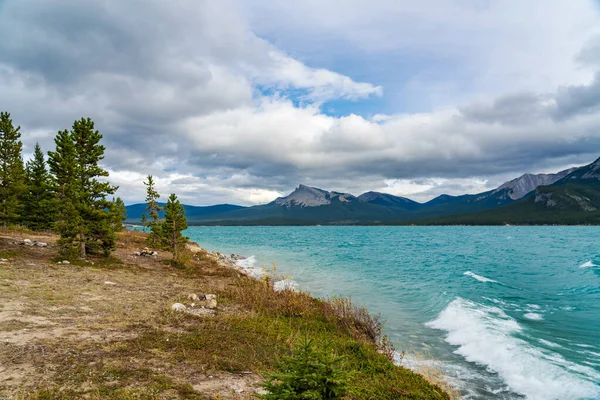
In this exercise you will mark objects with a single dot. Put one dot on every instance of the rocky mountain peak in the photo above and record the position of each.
(370, 196)
(590, 171)
(304, 196)
(519, 187)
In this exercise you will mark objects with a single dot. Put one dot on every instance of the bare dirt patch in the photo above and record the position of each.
(61, 324)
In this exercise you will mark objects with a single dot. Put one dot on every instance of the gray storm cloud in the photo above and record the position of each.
(189, 92)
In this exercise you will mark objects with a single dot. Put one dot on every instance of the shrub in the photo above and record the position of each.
(308, 375)
(356, 318)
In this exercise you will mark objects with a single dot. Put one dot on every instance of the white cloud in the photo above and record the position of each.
(321, 84)
(216, 100)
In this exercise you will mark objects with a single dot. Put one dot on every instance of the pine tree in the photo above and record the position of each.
(309, 374)
(153, 210)
(63, 167)
(86, 218)
(93, 206)
(119, 212)
(105, 231)
(12, 173)
(175, 221)
(39, 209)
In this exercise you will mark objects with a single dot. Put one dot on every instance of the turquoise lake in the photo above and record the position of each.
(505, 312)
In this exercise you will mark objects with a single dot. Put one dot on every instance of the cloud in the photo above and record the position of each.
(573, 100)
(512, 109)
(224, 101)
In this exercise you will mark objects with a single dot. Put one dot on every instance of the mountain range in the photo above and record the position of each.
(571, 196)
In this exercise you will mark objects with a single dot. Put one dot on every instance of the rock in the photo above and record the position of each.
(192, 297)
(41, 244)
(237, 388)
(64, 262)
(109, 283)
(211, 304)
(260, 391)
(178, 307)
(3, 260)
(27, 242)
(146, 253)
(201, 312)
(210, 301)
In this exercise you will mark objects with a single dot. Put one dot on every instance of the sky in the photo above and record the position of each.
(239, 101)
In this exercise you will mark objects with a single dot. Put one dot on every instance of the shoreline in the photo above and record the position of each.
(476, 314)
(427, 368)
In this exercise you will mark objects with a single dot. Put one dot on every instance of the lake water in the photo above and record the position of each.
(506, 312)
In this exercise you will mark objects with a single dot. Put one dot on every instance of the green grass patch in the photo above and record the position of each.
(11, 253)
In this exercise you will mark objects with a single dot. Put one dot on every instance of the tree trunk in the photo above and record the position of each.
(174, 242)
(81, 246)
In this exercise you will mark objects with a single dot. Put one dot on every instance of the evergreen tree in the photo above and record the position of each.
(105, 231)
(93, 206)
(153, 209)
(119, 212)
(175, 221)
(38, 205)
(12, 173)
(309, 374)
(63, 166)
(86, 217)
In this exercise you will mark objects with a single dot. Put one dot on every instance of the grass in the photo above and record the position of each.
(122, 341)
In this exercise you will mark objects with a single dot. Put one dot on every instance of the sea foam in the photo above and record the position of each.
(251, 267)
(534, 316)
(484, 335)
(588, 264)
(479, 277)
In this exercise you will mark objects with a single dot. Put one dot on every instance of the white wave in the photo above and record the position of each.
(251, 267)
(534, 316)
(479, 277)
(588, 264)
(484, 335)
(533, 306)
(549, 343)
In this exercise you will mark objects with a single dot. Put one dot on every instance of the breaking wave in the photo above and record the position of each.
(484, 335)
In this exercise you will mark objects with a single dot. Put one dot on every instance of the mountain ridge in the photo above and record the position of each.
(574, 190)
